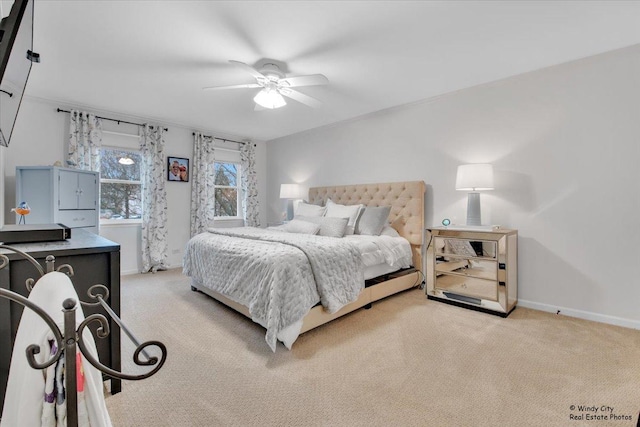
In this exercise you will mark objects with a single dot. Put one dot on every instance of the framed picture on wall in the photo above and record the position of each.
(177, 169)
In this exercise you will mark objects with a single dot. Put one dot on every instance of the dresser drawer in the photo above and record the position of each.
(78, 218)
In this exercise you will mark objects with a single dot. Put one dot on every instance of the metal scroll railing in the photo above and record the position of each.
(68, 340)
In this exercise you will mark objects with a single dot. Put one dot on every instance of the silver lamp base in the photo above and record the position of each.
(289, 209)
(473, 209)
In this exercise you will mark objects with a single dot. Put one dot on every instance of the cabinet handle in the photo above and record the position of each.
(502, 266)
(502, 283)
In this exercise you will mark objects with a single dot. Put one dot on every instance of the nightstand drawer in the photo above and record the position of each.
(470, 286)
(479, 268)
(465, 248)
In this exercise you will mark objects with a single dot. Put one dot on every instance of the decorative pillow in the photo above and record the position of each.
(301, 227)
(329, 226)
(387, 230)
(372, 220)
(352, 212)
(306, 209)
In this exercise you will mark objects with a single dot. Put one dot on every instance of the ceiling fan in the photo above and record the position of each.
(275, 84)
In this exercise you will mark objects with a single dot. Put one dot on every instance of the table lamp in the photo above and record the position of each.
(290, 192)
(474, 178)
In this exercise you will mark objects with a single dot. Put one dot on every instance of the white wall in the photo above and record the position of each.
(565, 145)
(40, 138)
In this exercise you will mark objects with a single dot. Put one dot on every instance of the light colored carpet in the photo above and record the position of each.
(407, 361)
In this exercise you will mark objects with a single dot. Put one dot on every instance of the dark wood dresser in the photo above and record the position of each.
(95, 260)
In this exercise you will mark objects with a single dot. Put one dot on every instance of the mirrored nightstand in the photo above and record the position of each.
(474, 268)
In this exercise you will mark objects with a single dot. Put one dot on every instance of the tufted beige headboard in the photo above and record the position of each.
(405, 198)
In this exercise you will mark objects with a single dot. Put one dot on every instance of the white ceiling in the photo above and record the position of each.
(150, 59)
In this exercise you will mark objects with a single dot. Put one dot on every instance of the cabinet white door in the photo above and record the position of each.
(68, 190)
(35, 186)
(87, 191)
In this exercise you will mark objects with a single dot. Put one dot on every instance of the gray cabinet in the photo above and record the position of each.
(59, 195)
(473, 268)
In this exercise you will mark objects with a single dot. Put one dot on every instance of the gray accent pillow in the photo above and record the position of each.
(329, 226)
(372, 220)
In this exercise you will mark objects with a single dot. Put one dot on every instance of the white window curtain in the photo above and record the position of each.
(85, 140)
(154, 197)
(250, 205)
(202, 184)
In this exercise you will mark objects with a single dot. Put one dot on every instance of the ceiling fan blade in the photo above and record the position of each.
(310, 80)
(301, 97)
(249, 69)
(249, 85)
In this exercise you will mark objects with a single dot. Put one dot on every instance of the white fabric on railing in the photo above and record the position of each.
(26, 403)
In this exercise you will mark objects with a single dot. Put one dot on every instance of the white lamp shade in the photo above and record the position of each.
(474, 177)
(291, 191)
(269, 98)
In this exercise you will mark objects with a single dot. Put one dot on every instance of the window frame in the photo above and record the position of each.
(123, 221)
(237, 187)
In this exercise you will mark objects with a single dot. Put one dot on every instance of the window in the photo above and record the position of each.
(227, 189)
(120, 186)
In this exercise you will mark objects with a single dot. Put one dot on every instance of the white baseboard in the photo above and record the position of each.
(131, 272)
(128, 272)
(586, 315)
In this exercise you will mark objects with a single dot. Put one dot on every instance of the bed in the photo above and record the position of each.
(290, 283)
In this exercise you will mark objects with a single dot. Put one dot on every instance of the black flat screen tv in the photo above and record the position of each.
(16, 45)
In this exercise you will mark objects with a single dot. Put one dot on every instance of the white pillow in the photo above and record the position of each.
(302, 227)
(387, 230)
(343, 211)
(306, 209)
(329, 226)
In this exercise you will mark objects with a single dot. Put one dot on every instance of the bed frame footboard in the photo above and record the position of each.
(317, 316)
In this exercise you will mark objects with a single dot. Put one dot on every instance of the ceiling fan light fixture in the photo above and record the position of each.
(269, 98)
(275, 84)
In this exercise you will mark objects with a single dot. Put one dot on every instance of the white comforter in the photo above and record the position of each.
(278, 276)
(374, 250)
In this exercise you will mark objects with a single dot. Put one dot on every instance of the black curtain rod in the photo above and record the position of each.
(222, 139)
(113, 120)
